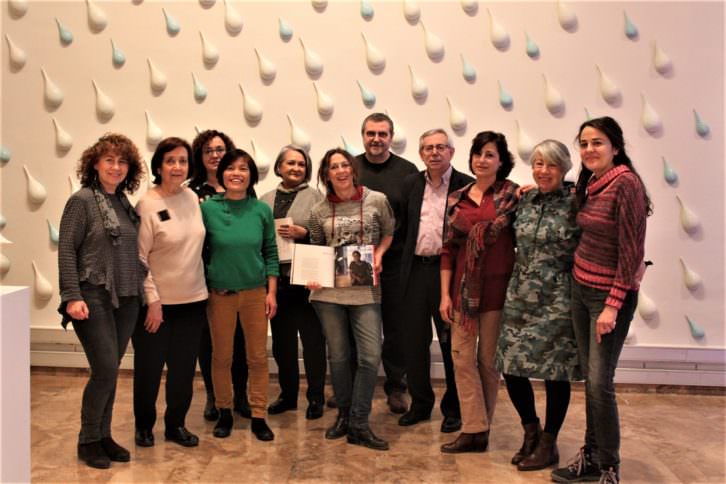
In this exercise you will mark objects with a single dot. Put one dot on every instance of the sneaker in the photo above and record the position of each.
(609, 476)
(579, 469)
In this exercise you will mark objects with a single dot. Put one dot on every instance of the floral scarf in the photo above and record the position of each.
(108, 215)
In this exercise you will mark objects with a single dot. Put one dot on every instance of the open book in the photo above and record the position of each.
(345, 266)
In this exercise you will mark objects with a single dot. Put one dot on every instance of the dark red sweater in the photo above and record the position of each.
(611, 248)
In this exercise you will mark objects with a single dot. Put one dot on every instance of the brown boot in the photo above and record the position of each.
(477, 442)
(532, 434)
(545, 455)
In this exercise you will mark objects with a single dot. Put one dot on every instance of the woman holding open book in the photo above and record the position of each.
(351, 215)
(291, 203)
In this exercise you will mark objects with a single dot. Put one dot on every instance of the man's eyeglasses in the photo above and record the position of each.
(431, 148)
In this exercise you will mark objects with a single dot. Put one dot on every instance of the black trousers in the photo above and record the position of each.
(394, 363)
(423, 294)
(296, 315)
(175, 344)
(239, 361)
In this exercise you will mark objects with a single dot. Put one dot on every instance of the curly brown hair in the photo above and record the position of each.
(120, 145)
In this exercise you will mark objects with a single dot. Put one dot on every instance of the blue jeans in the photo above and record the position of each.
(353, 391)
(598, 362)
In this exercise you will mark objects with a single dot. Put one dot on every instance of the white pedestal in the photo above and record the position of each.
(14, 384)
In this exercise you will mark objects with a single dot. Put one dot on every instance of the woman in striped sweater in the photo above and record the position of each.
(608, 267)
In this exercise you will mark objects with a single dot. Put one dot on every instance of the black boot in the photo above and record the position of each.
(340, 428)
(224, 424)
(210, 411)
(366, 438)
(114, 451)
(242, 405)
(532, 432)
(93, 455)
(261, 430)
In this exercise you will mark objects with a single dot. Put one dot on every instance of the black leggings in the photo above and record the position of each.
(522, 396)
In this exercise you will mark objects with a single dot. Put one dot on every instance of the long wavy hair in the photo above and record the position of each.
(112, 143)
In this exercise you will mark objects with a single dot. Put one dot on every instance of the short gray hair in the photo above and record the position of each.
(555, 152)
(432, 132)
(281, 157)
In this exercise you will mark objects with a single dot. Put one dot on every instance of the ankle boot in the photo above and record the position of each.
(210, 411)
(532, 432)
(477, 442)
(340, 427)
(93, 455)
(261, 430)
(224, 424)
(545, 455)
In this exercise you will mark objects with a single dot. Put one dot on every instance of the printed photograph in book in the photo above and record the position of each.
(354, 266)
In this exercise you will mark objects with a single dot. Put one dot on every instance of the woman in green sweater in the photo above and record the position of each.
(242, 270)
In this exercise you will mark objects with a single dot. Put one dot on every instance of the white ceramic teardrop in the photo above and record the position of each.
(525, 145)
(63, 140)
(156, 78)
(4, 264)
(97, 19)
(324, 102)
(661, 62)
(649, 117)
(232, 18)
(411, 10)
(18, 8)
(457, 119)
(553, 99)
(153, 131)
(17, 56)
(319, 5)
(566, 16)
(210, 53)
(691, 279)
(298, 137)
(398, 143)
(646, 306)
(470, 6)
(105, 108)
(419, 89)
(73, 183)
(251, 107)
(433, 43)
(200, 92)
(36, 191)
(53, 94)
(689, 220)
(43, 288)
(4, 240)
(261, 159)
(313, 63)
(207, 3)
(609, 91)
(374, 57)
(497, 33)
(268, 71)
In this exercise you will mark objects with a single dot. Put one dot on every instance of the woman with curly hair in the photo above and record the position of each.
(101, 282)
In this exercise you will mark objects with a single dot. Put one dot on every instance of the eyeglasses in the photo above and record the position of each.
(220, 150)
(431, 148)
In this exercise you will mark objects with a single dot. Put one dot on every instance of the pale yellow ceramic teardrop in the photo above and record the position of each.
(4, 264)
(251, 108)
(419, 89)
(153, 131)
(691, 279)
(268, 71)
(105, 108)
(17, 56)
(73, 183)
(313, 62)
(661, 62)
(609, 91)
(374, 57)
(497, 33)
(411, 10)
(566, 16)
(63, 140)
(525, 145)
(553, 99)
(18, 8)
(156, 78)
(261, 159)
(324, 103)
(646, 306)
(36, 191)
(210, 53)
(457, 119)
(689, 220)
(52, 93)
(433, 44)
(298, 137)
(97, 19)
(43, 288)
(232, 18)
(649, 117)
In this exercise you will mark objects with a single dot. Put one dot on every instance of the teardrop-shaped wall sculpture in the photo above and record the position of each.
(4, 240)
(419, 89)
(324, 103)
(200, 91)
(105, 108)
(172, 24)
(630, 337)
(3, 221)
(689, 220)
(525, 145)
(17, 8)
(631, 31)
(97, 19)
(553, 99)
(470, 7)
(36, 191)
(411, 11)
(497, 33)
(505, 99)
(207, 3)
(267, 69)
(398, 143)
(16, 55)
(118, 58)
(701, 127)
(284, 30)
(261, 159)
(210, 53)
(64, 35)
(313, 63)
(532, 48)
(691, 279)
(646, 306)
(63, 140)
(588, 116)
(669, 174)
(352, 149)
(661, 62)
(73, 183)
(319, 5)
(457, 119)
(696, 331)
(366, 10)
(609, 91)
(649, 117)
(232, 19)
(156, 78)
(566, 16)
(5, 154)
(52, 233)
(433, 44)
(298, 137)
(4, 264)
(153, 131)
(467, 70)
(52, 93)
(43, 288)
(374, 57)
(251, 107)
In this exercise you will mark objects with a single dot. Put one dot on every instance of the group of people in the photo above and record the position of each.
(537, 282)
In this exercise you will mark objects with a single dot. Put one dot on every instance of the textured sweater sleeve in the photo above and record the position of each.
(269, 245)
(315, 226)
(631, 212)
(146, 242)
(73, 227)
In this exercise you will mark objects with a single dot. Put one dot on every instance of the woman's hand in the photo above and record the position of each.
(78, 309)
(524, 189)
(154, 318)
(270, 305)
(292, 231)
(377, 262)
(313, 286)
(605, 322)
(446, 308)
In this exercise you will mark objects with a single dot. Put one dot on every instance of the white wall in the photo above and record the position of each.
(690, 33)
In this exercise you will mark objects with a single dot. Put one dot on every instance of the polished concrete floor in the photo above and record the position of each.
(666, 438)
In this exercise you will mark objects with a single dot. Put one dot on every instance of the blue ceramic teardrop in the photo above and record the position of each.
(65, 35)
(52, 233)
(532, 48)
(505, 99)
(588, 116)
(468, 70)
(701, 127)
(353, 150)
(117, 55)
(366, 10)
(172, 25)
(4, 155)
(670, 175)
(631, 31)
(285, 30)
(368, 97)
(696, 331)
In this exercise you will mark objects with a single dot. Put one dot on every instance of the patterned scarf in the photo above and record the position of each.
(475, 238)
(296, 188)
(108, 214)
